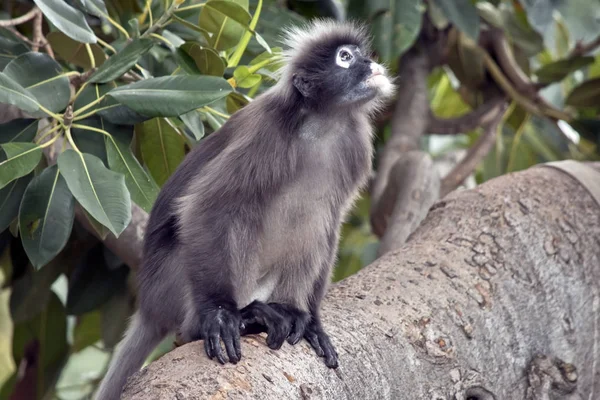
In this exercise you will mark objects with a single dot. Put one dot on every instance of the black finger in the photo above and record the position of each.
(297, 331)
(331, 357)
(207, 349)
(215, 345)
(237, 347)
(314, 342)
(229, 337)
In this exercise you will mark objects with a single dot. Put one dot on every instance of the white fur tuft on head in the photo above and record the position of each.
(299, 39)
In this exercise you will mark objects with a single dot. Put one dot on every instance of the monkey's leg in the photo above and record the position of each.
(259, 317)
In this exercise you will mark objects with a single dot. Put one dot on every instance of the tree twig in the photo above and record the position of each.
(475, 154)
(582, 49)
(482, 115)
(31, 14)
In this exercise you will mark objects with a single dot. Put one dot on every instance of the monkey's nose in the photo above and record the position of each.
(376, 69)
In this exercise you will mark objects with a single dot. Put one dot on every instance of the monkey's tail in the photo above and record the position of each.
(140, 339)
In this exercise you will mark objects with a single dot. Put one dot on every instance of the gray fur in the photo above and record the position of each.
(254, 211)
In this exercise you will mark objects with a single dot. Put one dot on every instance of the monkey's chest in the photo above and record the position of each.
(299, 221)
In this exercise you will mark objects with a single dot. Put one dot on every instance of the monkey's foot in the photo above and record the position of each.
(297, 319)
(221, 324)
(320, 341)
(259, 317)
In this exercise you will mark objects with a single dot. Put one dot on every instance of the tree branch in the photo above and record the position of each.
(409, 120)
(455, 313)
(475, 154)
(413, 187)
(481, 116)
(31, 14)
(582, 49)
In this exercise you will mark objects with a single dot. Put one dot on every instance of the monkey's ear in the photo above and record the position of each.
(303, 85)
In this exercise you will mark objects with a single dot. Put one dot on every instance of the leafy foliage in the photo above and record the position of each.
(134, 85)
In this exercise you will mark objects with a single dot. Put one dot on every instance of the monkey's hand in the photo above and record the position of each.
(259, 317)
(221, 324)
(320, 341)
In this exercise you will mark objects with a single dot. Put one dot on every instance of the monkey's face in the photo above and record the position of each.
(356, 78)
(341, 75)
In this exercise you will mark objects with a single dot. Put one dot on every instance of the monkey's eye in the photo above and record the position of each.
(344, 58)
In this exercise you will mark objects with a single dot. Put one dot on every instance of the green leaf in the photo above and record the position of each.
(49, 329)
(93, 283)
(262, 42)
(585, 95)
(31, 292)
(193, 121)
(463, 14)
(235, 101)
(10, 198)
(244, 79)
(171, 96)
(41, 76)
(13, 93)
(21, 159)
(539, 13)
(119, 114)
(122, 62)
(46, 216)
(100, 229)
(95, 7)
(87, 331)
(396, 25)
(275, 57)
(226, 20)
(229, 9)
(68, 19)
(74, 52)
(115, 313)
(142, 188)
(18, 130)
(101, 192)
(207, 60)
(162, 148)
(521, 33)
(558, 70)
(10, 47)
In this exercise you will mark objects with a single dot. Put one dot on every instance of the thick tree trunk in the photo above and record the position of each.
(495, 296)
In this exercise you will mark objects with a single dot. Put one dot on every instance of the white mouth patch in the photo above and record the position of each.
(379, 79)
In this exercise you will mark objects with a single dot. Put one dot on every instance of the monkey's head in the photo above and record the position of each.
(329, 66)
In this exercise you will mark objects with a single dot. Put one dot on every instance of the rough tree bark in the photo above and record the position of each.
(495, 296)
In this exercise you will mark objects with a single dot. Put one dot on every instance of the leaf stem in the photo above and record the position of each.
(215, 112)
(50, 113)
(49, 142)
(162, 38)
(192, 7)
(117, 25)
(163, 20)
(108, 46)
(87, 115)
(71, 141)
(90, 55)
(235, 58)
(89, 105)
(91, 128)
(45, 135)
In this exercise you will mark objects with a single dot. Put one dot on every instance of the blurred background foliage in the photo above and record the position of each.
(65, 296)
